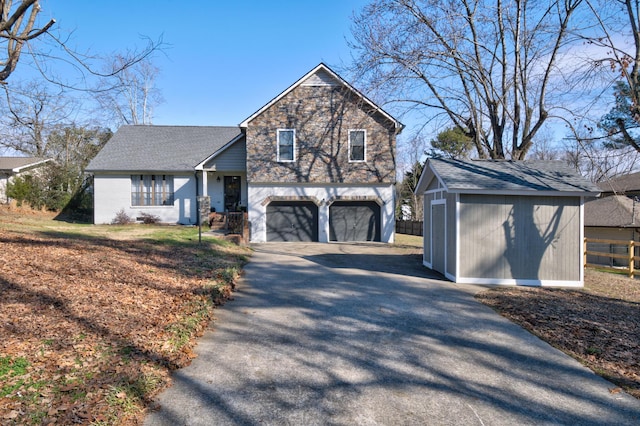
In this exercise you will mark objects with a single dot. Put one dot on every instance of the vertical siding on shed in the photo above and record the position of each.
(426, 229)
(520, 238)
(451, 233)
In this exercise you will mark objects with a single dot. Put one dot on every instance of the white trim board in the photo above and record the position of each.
(517, 282)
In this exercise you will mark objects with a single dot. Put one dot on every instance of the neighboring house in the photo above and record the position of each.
(10, 167)
(628, 185)
(614, 217)
(317, 163)
(504, 222)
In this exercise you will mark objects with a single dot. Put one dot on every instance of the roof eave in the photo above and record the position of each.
(30, 165)
(524, 192)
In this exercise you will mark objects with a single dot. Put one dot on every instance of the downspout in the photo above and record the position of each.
(195, 174)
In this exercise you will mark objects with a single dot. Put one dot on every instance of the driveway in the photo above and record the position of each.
(344, 334)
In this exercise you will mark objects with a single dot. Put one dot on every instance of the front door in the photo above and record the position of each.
(232, 193)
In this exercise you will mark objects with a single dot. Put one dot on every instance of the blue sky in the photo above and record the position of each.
(224, 59)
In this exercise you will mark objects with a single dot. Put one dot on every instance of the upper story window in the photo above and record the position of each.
(357, 145)
(151, 190)
(286, 145)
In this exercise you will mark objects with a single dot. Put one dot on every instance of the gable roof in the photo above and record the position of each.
(621, 184)
(323, 75)
(507, 177)
(161, 148)
(615, 211)
(19, 164)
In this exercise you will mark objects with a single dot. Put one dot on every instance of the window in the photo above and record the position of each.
(286, 145)
(151, 190)
(357, 144)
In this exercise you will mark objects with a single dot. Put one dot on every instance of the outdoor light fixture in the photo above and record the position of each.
(218, 179)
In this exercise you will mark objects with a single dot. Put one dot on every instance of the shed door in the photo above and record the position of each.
(292, 221)
(354, 221)
(438, 236)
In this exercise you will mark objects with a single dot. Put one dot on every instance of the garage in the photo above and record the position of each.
(354, 221)
(292, 221)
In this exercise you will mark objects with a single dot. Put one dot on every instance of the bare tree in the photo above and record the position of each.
(29, 113)
(618, 38)
(487, 67)
(410, 159)
(598, 158)
(129, 97)
(20, 29)
(545, 148)
(17, 27)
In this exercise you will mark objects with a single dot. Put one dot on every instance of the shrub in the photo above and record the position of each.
(26, 190)
(122, 218)
(149, 218)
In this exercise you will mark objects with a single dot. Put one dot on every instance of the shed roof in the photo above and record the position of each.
(18, 164)
(615, 211)
(161, 148)
(507, 177)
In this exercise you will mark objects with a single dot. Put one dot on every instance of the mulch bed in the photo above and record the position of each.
(599, 326)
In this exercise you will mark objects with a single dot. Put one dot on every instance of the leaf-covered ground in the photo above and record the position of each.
(90, 326)
(599, 326)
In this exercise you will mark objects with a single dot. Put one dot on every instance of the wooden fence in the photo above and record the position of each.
(409, 227)
(629, 258)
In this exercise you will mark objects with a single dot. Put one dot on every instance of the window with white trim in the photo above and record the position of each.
(357, 145)
(151, 190)
(286, 145)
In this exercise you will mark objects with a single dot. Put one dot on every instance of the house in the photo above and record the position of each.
(316, 163)
(10, 167)
(628, 185)
(504, 222)
(613, 217)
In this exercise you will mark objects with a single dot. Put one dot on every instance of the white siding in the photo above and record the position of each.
(3, 189)
(257, 211)
(321, 78)
(112, 193)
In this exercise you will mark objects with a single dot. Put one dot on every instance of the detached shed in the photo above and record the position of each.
(504, 222)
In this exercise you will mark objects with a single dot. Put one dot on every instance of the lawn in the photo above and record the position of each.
(93, 318)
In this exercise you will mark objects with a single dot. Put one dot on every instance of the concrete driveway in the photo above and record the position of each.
(341, 334)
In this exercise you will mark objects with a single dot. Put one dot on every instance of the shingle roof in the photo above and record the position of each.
(491, 176)
(613, 211)
(622, 184)
(14, 164)
(161, 148)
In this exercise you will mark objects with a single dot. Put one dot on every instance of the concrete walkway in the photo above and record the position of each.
(348, 334)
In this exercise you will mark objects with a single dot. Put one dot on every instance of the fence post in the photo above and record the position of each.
(632, 262)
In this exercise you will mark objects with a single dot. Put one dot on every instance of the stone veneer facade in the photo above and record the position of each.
(321, 117)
